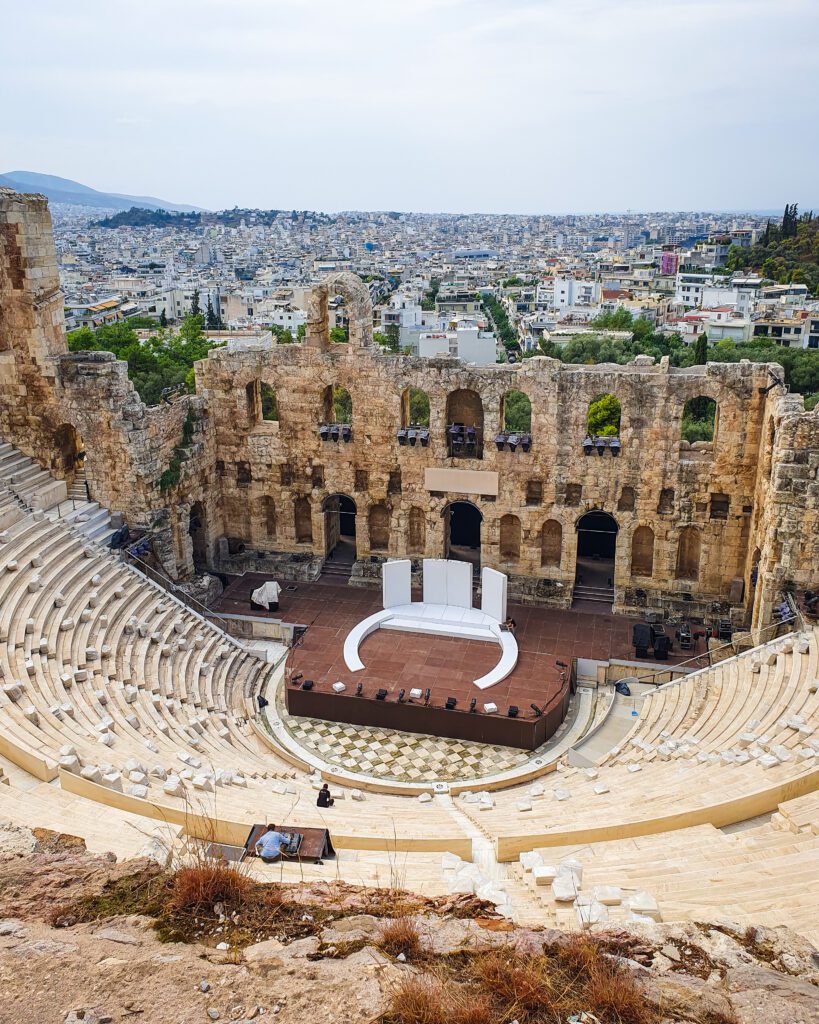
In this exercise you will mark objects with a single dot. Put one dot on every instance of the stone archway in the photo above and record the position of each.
(358, 305)
(198, 533)
(462, 532)
(68, 460)
(596, 552)
(339, 528)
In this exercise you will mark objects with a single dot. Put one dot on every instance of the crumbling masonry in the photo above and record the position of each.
(260, 485)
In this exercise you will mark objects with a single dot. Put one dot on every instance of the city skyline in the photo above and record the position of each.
(447, 106)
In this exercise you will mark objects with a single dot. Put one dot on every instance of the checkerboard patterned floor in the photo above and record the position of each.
(406, 756)
(402, 756)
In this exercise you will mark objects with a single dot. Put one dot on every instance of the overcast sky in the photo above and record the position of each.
(431, 105)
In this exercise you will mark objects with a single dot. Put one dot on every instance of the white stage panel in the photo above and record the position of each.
(493, 594)
(434, 581)
(459, 584)
(396, 582)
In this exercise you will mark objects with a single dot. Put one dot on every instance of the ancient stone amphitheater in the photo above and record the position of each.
(128, 718)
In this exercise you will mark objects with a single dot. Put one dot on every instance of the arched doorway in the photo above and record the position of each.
(68, 461)
(462, 532)
(339, 528)
(596, 548)
(197, 530)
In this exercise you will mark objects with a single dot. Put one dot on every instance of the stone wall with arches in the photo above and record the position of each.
(749, 493)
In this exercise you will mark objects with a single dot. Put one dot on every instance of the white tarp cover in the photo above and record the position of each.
(266, 594)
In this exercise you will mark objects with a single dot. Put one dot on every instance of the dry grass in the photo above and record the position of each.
(400, 935)
(199, 886)
(503, 985)
(429, 999)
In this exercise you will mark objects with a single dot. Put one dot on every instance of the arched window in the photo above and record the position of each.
(642, 551)
(688, 554)
(517, 413)
(509, 538)
(267, 517)
(379, 522)
(699, 419)
(270, 407)
(464, 424)
(417, 531)
(303, 520)
(252, 401)
(414, 408)
(551, 542)
(603, 418)
(337, 404)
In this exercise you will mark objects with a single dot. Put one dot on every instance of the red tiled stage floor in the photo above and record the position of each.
(395, 660)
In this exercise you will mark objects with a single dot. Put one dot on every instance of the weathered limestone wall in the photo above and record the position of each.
(286, 465)
(692, 521)
(785, 541)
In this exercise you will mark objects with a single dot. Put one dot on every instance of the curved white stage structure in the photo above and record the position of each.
(446, 610)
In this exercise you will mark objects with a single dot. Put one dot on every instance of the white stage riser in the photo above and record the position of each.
(438, 629)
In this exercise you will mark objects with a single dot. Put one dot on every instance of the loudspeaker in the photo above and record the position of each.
(513, 711)
(381, 695)
(450, 703)
(307, 684)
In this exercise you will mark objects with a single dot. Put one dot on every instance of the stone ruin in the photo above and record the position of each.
(266, 477)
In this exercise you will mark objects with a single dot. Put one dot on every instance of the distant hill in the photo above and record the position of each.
(64, 190)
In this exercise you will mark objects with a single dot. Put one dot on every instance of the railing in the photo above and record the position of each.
(650, 675)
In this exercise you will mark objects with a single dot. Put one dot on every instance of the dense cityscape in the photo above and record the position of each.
(485, 288)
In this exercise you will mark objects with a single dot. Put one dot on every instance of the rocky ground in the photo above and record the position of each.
(117, 969)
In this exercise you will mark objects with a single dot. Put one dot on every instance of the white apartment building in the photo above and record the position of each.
(467, 342)
(569, 292)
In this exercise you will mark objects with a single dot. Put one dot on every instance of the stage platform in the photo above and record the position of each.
(447, 666)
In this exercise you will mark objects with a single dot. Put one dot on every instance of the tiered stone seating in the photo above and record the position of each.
(716, 747)
(124, 693)
(762, 875)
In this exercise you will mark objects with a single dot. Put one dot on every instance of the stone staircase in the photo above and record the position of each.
(338, 570)
(601, 595)
(34, 487)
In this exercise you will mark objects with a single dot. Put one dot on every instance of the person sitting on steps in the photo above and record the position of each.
(324, 799)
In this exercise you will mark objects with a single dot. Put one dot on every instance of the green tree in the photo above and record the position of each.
(419, 407)
(301, 332)
(604, 416)
(701, 350)
(282, 335)
(211, 319)
(195, 307)
(338, 335)
(428, 300)
(163, 319)
(517, 412)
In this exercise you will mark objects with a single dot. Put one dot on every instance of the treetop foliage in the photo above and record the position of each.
(787, 253)
(164, 359)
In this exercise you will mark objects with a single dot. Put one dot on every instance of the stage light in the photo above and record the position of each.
(426, 696)
(588, 445)
(538, 711)
(324, 431)
(412, 437)
(450, 703)
(500, 441)
(513, 711)
(401, 696)
(600, 445)
(615, 446)
(513, 442)
(473, 704)
(402, 436)
(359, 688)
(424, 438)
(526, 442)
(346, 433)
(307, 684)
(334, 432)
(381, 695)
